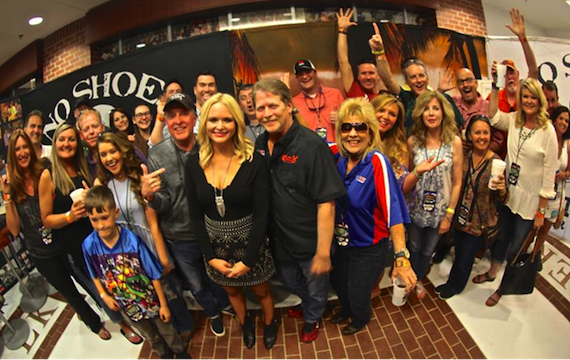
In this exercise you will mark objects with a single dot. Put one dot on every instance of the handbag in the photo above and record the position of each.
(520, 273)
(491, 233)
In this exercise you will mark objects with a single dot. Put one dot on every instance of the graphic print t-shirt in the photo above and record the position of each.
(126, 271)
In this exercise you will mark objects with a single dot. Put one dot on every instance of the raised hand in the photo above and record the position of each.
(150, 183)
(517, 27)
(344, 19)
(445, 81)
(375, 42)
(6, 184)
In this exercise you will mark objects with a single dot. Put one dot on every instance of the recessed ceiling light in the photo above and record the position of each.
(36, 20)
(141, 45)
(235, 19)
(568, 2)
(386, 20)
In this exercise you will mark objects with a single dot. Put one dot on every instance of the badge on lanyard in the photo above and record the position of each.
(341, 234)
(322, 132)
(428, 204)
(463, 215)
(514, 174)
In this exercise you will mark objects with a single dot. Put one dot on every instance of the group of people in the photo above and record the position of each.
(226, 193)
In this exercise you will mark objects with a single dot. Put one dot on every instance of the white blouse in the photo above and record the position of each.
(538, 161)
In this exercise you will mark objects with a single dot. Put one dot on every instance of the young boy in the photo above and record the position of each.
(127, 274)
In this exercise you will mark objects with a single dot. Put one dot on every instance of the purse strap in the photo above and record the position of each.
(525, 245)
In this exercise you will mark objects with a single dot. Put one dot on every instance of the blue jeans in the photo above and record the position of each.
(181, 319)
(423, 242)
(190, 265)
(312, 289)
(466, 247)
(514, 230)
(355, 271)
(89, 286)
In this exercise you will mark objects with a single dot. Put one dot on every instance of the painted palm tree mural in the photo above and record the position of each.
(272, 51)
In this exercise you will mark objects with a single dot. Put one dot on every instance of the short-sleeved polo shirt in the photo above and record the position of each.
(303, 174)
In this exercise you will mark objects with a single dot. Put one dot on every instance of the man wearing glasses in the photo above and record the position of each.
(318, 104)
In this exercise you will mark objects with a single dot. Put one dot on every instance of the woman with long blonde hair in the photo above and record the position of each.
(434, 136)
(532, 161)
(228, 187)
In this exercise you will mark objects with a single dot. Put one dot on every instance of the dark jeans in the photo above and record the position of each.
(181, 319)
(58, 272)
(355, 271)
(89, 286)
(312, 289)
(422, 244)
(514, 230)
(190, 265)
(466, 247)
(162, 336)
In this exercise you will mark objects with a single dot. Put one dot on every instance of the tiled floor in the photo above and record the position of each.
(530, 326)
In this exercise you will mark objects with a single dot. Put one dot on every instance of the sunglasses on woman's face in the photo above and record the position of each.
(345, 128)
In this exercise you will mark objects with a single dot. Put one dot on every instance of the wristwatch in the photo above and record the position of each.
(402, 253)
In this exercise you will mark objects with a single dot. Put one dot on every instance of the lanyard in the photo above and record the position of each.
(317, 108)
(469, 181)
(525, 138)
(125, 214)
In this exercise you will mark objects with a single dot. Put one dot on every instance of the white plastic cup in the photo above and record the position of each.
(76, 194)
(497, 168)
(399, 295)
(501, 75)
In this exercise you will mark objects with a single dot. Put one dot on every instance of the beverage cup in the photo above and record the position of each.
(399, 295)
(497, 168)
(501, 75)
(76, 194)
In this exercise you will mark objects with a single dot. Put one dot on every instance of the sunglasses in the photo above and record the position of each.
(359, 127)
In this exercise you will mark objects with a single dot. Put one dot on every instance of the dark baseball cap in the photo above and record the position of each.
(83, 101)
(180, 98)
(304, 64)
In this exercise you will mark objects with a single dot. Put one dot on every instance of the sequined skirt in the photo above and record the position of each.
(229, 240)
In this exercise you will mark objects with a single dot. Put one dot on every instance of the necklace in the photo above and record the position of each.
(220, 205)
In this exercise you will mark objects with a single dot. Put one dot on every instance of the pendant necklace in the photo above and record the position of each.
(220, 205)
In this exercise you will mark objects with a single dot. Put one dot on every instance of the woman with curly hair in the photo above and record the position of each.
(532, 162)
(436, 193)
(227, 183)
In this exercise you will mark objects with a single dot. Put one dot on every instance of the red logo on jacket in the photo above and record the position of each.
(289, 159)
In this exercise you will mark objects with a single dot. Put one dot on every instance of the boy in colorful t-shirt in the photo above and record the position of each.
(127, 275)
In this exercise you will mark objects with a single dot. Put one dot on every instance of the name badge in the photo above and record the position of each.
(463, 215)
(514, 174)
(341, 234)
(428, 203)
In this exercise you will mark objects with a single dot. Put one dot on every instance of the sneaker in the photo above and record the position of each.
(229, 311)
(217, 326)
(295, 312)
(446, 293)
(438, 289)
(310, 332)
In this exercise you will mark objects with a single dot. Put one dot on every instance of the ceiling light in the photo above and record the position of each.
(141, 45)
(36, 20)
(385, 20)
(235, 19)
(289, 14)
(568, 2)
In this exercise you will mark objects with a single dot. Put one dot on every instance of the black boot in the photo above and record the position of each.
(248, 329)
(270, 334)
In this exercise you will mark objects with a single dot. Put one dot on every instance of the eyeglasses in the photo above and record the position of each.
(359, 127)
(144, 114)
(467, 81)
